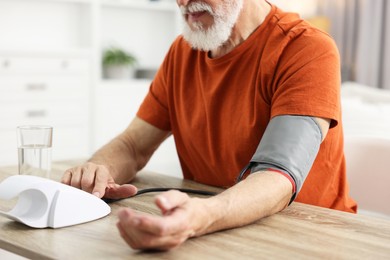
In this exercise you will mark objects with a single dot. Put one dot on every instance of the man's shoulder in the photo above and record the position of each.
(289, 32)
(292, 25)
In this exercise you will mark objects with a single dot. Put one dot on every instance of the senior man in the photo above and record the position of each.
(245, 86)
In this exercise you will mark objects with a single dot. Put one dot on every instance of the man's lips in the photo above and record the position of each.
(195, 16)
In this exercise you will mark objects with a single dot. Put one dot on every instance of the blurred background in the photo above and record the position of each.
(361, 30)
(84, 66)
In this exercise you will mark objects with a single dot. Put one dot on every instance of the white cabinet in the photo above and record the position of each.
(50, 68)
(146, 29)
(46, 73)
(49, 91)
(46, 25)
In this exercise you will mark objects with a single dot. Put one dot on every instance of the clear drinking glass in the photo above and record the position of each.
(34, 150)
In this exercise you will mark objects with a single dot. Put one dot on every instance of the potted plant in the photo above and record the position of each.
(118, 64)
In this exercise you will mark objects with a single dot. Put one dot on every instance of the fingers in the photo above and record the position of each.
(170, 200)
(142, 231)
(101, 181)
(173, 224)
(136, 230)
(96, 179)
(89, 177)
(66, 178)
(120, 191)
(143, 240)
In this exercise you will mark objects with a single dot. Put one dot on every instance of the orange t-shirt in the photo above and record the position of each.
(218, 108)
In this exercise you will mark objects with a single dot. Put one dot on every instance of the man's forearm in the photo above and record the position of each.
(119, 157)
(259, 195)
(129, 152)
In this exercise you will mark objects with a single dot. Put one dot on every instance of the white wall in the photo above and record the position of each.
(306, 8)
(39, 31)
(386, 70)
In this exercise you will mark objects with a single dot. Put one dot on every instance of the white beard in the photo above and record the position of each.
(225, 17)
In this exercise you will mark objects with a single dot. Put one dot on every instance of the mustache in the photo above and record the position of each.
(196, 7)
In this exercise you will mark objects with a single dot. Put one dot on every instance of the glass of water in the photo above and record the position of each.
(34, 150)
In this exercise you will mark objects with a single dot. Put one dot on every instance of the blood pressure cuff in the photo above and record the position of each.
(289, 145)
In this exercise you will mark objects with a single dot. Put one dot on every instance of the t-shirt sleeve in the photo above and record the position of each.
(307, 79)
(154, 108)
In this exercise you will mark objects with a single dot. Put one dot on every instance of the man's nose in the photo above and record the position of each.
(182, 2)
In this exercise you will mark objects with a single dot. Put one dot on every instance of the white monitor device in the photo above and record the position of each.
(46, 203)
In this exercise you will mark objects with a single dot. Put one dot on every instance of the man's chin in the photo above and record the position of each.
(203, 41)
(196, 27)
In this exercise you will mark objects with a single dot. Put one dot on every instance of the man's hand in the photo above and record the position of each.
(96, 179)
(182, 217)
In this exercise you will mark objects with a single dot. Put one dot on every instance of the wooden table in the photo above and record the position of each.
(300, 231)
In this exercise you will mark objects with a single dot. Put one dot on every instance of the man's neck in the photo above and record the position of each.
(252, 15)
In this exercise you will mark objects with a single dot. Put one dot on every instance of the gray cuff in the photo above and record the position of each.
(291, 144)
